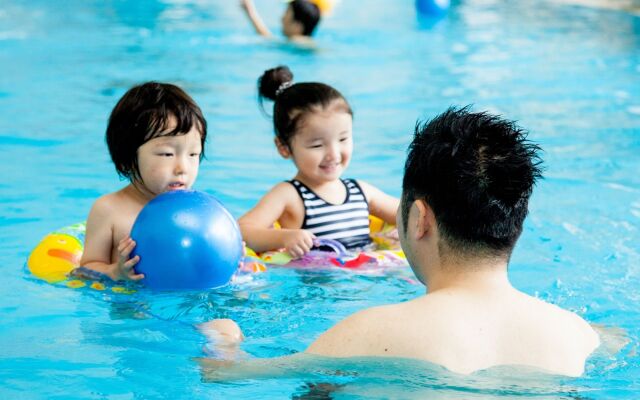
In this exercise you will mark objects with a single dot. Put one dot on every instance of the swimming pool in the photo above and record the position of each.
(570, 74)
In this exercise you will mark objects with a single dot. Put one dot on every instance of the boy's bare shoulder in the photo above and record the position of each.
(105, 204)
(113, 206)
(110, 202)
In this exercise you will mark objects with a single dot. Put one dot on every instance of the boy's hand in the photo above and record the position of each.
(244, 255)
(124, 268)
(298, 242)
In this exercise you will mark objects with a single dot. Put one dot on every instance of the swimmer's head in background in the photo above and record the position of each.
(145, 112)
(301, 18)
(294, 101)
(476, 171)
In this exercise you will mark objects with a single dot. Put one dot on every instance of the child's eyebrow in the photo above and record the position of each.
(164, 142)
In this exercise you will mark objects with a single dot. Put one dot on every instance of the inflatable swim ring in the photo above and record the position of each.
(59, 253)
(385, 253)
(53, 259)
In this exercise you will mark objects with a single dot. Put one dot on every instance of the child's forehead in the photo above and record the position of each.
(169, 129)
(166, 125)
(326, 119)
(325, 126)
(174, 139)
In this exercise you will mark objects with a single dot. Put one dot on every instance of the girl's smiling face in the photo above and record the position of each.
(321, 147)
(169, 162)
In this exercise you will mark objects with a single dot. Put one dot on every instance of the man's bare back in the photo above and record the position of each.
(466, 331)
(467, 182)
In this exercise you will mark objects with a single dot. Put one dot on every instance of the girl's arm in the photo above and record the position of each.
(257, 224)
(98, 245)
(381, 204)
(254, 17)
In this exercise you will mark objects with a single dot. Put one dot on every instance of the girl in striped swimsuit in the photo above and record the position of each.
(312, 122)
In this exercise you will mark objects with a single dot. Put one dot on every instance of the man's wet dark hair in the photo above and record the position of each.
(294, 101)
(306, 13)
(145, 112)
(476, 171)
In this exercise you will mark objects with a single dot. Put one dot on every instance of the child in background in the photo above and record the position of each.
(298, 22)
(313, 123)
(156, 136)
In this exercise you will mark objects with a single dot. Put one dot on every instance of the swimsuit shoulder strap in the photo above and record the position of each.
(354, 190)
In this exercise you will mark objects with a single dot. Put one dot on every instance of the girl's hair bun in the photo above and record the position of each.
(272, 79)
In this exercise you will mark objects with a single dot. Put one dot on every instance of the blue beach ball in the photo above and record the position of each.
(432, 7)
(186, 240)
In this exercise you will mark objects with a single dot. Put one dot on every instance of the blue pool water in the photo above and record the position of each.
(570, 74)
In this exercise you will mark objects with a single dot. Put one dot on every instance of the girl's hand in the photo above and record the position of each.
(124, 268)
(297, 242)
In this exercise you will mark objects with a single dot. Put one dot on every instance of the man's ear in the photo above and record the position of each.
(283, 149)
(426, 221)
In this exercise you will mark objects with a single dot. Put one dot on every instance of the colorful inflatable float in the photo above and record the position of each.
(385, 252)
(56, 258)
(58, 254)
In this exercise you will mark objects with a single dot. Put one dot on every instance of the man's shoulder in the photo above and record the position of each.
(369, 319)
(360, 334)
(566, 328)
(552, 312)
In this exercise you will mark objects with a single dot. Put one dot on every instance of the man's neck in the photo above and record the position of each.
(477, 275)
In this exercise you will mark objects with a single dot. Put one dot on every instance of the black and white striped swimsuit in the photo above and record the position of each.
(347, 223)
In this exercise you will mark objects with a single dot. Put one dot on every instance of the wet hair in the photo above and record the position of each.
(306, 13)
(145, 112)
(294, 101)
(476, 171)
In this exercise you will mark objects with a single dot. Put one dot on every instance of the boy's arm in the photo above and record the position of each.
(98, 244)
(254, 17)
(381, 204)
(257, 224)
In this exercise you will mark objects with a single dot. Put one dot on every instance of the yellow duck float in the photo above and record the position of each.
(53, 259)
